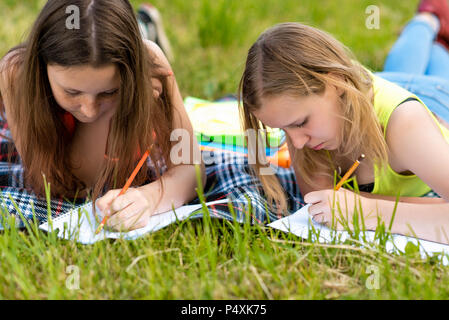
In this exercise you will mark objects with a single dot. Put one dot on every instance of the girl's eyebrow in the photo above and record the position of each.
(77, 91)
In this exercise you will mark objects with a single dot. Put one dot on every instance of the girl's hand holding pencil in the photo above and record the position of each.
(129, 211)
(335, 208)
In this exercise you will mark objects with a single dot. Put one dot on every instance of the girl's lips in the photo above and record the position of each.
(318, 147)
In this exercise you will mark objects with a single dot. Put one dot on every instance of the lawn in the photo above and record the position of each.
(214, 259)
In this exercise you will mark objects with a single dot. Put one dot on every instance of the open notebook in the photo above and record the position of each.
(80, 224)
(301, 225)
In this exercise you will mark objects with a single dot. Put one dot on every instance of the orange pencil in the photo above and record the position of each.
(350, 171)
(125, 188)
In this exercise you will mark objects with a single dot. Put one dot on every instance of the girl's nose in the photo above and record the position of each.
(299, 139)
(89, 107)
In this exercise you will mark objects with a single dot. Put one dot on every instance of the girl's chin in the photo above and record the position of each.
(86, 120)
(331, 146)
(97, 118)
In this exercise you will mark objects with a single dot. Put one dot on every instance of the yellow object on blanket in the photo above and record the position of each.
(217, 127)
(219, 122)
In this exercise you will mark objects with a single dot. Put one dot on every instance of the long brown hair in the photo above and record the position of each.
(301, 60)
(108, 34)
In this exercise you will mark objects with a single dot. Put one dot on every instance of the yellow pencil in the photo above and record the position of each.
(350, 171)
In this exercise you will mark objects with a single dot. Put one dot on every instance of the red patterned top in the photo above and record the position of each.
(69, 121)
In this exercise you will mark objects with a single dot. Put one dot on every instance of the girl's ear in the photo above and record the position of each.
(339, 78)
(340, 91)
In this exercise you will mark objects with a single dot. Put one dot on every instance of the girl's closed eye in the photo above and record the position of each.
(104, 94)
(109, 93)
(302, 124)
(71, 93)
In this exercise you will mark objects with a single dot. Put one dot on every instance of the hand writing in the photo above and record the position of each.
(338, 212)
(129, 211)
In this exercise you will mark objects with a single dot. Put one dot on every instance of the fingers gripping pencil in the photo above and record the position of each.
(125, 188)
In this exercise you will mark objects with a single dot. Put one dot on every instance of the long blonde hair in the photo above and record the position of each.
(108, 34)
(301, 60)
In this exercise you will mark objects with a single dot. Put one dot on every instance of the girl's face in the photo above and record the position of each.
(87, 93)
(310, 121)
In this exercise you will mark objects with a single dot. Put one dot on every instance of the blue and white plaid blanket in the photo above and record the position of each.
(230, 177)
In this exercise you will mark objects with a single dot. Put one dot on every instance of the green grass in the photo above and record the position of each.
(212, 259)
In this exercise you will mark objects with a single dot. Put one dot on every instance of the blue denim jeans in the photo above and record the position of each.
(433, 91)
(420, 65)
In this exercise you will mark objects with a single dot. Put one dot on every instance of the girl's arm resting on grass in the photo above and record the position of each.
(336, 209)
(421, 200)
(426, 221)
(180, 180)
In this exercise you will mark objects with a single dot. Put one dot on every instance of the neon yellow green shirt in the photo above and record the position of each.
(387, 96)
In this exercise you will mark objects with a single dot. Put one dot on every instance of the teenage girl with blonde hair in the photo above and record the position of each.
(81, 111)
(332, 109)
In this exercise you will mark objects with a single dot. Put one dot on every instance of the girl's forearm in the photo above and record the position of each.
(425, 221)
(179, 185)
(404, 199)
